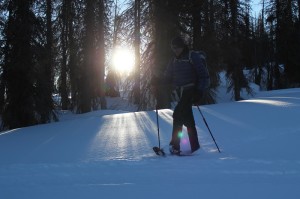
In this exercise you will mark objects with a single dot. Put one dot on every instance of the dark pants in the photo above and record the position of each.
(183, 115)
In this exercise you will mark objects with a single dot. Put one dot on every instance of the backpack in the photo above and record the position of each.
(203, 79)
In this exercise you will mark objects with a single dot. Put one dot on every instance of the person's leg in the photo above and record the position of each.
(189, 120)
(175, 141)
(193, 137)
(177, 127)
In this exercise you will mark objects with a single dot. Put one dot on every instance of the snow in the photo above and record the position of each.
(108, 154)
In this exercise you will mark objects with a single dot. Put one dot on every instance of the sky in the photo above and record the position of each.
(256, 6)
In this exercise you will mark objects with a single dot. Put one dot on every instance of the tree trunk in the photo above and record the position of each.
(196, 24)
(63, 72)
(299, 11)
(235, 52)
(137, 41)
(101, 54)
(165, 20)
(20, 109)
(72, 65)
(48, 104)
(87, 88)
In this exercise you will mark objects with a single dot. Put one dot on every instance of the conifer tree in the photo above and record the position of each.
(44, 68)
(19, 75)
(166, 15)
(65, 21)
(137, 46)
(101, 54)
(282, 18)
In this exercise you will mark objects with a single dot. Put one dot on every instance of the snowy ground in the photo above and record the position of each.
(108, 154)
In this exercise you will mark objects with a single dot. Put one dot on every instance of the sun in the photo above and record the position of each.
(123, 60)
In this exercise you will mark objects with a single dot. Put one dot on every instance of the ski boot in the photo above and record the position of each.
(173, 150)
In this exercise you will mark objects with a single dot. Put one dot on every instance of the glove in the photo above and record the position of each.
(198, 97)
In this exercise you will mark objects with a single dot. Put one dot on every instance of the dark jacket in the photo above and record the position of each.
(189, 68)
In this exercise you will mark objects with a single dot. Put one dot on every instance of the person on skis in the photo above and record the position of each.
(188, 74)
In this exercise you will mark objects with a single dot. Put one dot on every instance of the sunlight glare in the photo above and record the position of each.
(123, 60)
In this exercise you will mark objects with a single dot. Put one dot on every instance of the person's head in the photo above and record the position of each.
(178, 45)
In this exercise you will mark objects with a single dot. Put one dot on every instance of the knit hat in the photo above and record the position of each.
(178, 42)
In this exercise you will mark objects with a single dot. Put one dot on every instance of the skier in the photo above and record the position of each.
(189, 77)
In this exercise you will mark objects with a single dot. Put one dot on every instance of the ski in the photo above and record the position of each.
(158, 151)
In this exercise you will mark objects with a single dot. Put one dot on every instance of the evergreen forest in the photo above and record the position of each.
(63, 49)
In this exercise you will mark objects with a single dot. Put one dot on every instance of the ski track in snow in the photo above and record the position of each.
(110, 156)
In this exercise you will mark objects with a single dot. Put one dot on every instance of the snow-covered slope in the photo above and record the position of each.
(107, 154)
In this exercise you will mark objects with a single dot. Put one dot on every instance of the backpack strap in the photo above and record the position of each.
(203, 57)
(201, 54)
(190, 57)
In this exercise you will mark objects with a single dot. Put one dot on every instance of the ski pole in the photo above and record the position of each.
(208, 128)
(157, 122)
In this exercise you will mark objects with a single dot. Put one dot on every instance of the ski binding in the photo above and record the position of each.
(159, 151)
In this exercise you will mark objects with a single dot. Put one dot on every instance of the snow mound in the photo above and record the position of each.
(109, 154)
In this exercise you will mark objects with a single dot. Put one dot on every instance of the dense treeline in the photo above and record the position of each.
(63, 47)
